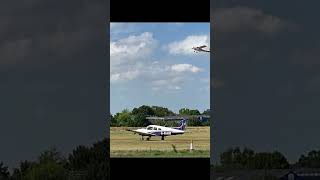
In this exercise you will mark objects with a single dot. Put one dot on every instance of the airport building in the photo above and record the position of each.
(285, 174)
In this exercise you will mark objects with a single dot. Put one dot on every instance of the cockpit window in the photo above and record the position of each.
(149, 128)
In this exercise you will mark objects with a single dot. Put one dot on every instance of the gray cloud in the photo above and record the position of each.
(40, 30)
(53, 75)
(245, 19)
(271, 76)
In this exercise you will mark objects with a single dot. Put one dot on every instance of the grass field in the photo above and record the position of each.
(127, 144)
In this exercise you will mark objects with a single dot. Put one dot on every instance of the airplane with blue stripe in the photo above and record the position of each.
(155, 130)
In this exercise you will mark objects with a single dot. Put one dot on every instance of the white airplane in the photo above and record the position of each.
(155, 130)
(200, 49)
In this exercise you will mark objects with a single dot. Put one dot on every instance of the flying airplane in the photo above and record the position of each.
(155, 130)
(200, 49)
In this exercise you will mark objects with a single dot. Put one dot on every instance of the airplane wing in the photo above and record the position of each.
(177, 117)
(202, 46)
(140, 133)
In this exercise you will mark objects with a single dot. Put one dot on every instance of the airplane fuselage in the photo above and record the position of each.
(154, 130)
(200, 48)
(162, 131)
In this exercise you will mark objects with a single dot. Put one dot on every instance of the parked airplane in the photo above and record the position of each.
(200, 48)
(155, 130)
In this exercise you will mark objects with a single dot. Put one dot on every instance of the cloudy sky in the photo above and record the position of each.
(53, 76)
(153, 64)
(267, 60)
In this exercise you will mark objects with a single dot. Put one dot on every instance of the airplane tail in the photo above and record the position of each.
(182, 125)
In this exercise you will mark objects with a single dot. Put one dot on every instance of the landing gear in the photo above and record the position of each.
(162, 138)
(148, 138)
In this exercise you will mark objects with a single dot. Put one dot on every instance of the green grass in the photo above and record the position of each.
(127, 144)
(161, 154)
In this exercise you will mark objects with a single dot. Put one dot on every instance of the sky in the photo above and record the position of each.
(153, 64)
(53, 77)
(267, 62)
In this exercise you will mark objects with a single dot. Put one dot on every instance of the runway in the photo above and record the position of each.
(124, 142)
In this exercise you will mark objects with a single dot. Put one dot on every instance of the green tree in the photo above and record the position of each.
(84, 163)
(186, 111)
(138, 120)
(206, 112)
(226, 158)
(98, 169)
(49, 170)
(79, 158)
(122, 118)
(237, 158)
(162, 111)
(113, 121)
(145, 110)
(194, 112)
(50, 166)
(265, 160)
(93, 161)
(189, 112)
(311, 160)
(248, 159)
(205, 123)
(51, 155)
(4, 173)
(279, 161)
(194, 122)
(20, 172)
(140, 114)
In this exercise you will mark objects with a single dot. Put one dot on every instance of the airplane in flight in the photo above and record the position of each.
(155, 130)
(200, 49)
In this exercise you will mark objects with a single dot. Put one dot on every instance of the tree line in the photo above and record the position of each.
(235, 158)
(92, 163)
(83, 163)
(137, 117)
